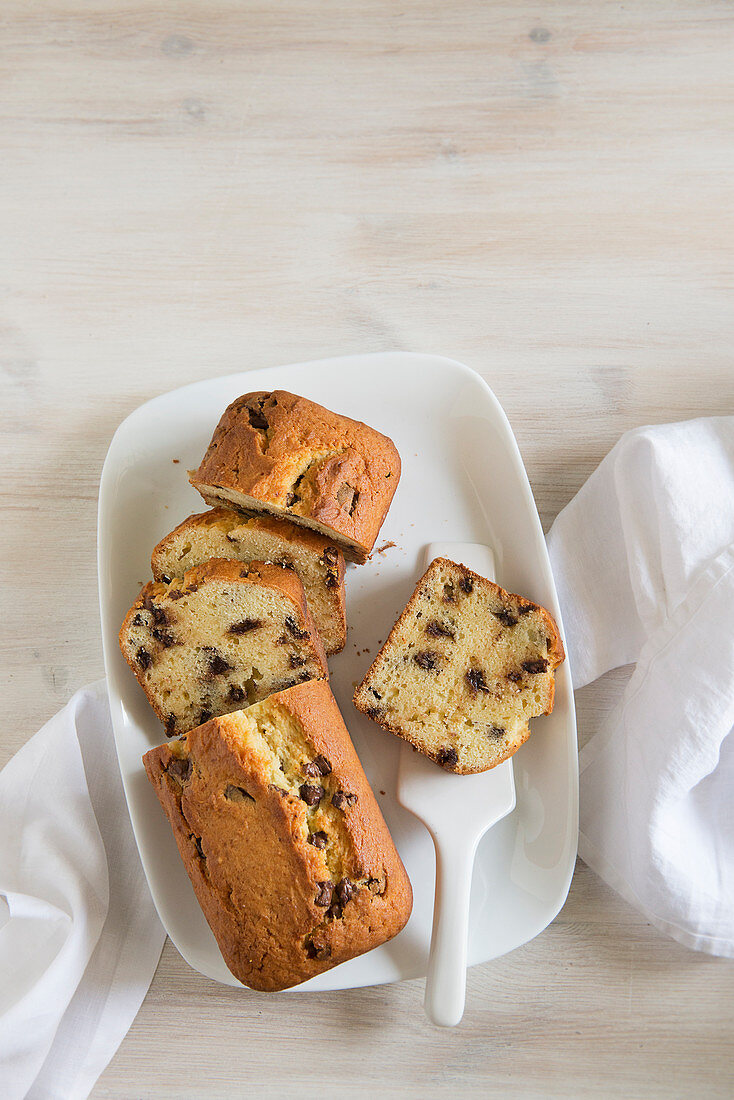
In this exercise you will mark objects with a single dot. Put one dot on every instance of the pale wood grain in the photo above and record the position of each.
(541, 190)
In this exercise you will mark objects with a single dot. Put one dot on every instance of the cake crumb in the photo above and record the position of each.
(382, 792)
(176, 461)
(385, 546)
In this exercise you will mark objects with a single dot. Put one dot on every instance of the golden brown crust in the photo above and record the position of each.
(283, 581)
(254, 872)
(281, 529)
(306, 462)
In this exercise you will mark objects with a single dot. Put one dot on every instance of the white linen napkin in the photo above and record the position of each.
(643, 558)
(79, 936)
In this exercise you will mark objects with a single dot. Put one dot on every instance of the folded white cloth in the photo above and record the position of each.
(643, 558)
(79, 936)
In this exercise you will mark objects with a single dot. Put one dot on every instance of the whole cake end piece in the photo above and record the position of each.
(281, 835)
(279, 454)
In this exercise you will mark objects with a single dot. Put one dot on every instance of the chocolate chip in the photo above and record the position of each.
(466, 584)
(244, 626)
(377, 885)
(170, 725)
(496, 732)
(345, 497)
(176, 594)
(257, 418)
(428, 661)
(475, 679)
(345, 891)
(218, 664)
(342, 799)
(236, 693)
(438, 630)
(318, 950)
(540, 665)
(375, 713)
(515, 677)
(331, 555)
(295, 661)
(311, 793)
(331, 580)
(237, 794)
(139, 620)
(448, 757)
(180, 767)
(449, 593)
(505, 618)
(164, 637)
(204, 716)
(323, 898)
(143, 658)
(317, 767)
(231, 538)
(319, 840)
(376, 693)
(293, 628)
(526, 608)
(335, 911)
(291, 499)
(305, 675)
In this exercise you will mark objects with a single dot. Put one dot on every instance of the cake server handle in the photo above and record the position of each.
(446, 977)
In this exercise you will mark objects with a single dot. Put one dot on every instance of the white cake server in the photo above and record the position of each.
(457, 810)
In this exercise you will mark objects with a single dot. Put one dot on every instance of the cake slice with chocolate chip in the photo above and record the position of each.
(222, 636)
(282, 838)
(221, 533)
(464, 669)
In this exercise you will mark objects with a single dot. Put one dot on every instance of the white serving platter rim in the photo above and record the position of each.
(463, 480)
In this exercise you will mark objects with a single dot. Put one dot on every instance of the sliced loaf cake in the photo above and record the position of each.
(221, 533)
(222, 636)
(464, 669)
(283, 455)
(282, 837)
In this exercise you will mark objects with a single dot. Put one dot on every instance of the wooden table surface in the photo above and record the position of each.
(540, 190)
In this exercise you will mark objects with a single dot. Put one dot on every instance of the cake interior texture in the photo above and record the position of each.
(220, 496)
(288, 885)
(464, 670)
(216, 643)
(222, 533)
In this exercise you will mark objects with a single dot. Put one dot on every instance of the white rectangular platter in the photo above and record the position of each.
(463, 480)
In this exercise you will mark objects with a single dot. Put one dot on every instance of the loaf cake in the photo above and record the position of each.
(287, 850)
(222, 533)
(464, 669)
(282, 455)
(220, 637)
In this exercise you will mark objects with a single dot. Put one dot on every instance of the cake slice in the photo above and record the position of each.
(464, 669)
(222, 533)
(281, 455)
(282, 838)
(222, 636)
